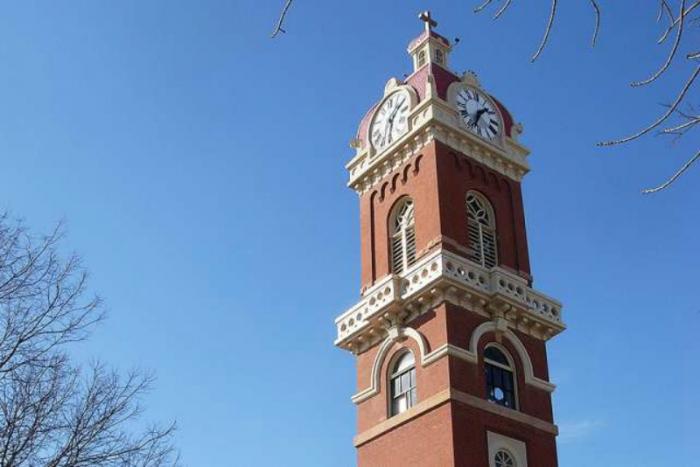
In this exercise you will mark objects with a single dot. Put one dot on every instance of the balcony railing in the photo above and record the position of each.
(495, 285)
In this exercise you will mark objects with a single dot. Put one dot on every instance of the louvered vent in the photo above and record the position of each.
(489, 248)
(475, 242)
(397, 253)
(410, 245)
(403, 237)
(482, 230)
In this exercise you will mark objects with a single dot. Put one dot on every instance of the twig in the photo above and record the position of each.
(482, 6)
(502, 10)
(671, 54)
(661, 119)
(278, 27)
(548, 29)
(679, 129)
(664, 8)
(674, 177)
(674, 22)
(596, 9)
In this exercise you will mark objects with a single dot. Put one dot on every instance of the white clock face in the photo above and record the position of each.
(390, 120)
(478, 113)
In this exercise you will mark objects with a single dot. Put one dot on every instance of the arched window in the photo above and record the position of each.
(403, 384)
(504, 459)
(421, 58)
(500, 380)
(439, 56)
(482, 230)
(403, 236)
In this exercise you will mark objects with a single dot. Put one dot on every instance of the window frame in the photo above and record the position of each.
(509, 368)
(483, 231)
(395, 374)
(405, 234)
(439, 56)
(421, 58)
(515, 447)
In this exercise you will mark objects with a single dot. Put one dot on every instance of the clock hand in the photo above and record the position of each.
(393, 114)
(391, 127)
(479, 113)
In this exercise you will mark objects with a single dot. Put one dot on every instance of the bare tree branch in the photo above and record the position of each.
(674, 177)
(482, 6)
(671, 54)
(596, 10)
(675, 21)
(548, 29)
(682, 128)
(503, 8)
(278, 27)
(672, 108)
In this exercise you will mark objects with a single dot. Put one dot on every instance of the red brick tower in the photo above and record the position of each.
(449, 334)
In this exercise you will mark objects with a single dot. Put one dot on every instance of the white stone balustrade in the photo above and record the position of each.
(444, 270)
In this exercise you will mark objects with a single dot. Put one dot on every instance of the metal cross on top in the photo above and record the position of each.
(430, 23)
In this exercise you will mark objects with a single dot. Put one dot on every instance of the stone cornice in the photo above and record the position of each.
(435, 120)
(444, 276)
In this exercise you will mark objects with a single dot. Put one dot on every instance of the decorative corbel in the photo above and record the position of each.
(500, 327)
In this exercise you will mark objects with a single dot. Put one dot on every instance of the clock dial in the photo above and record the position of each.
(478, 114)
(390, 120)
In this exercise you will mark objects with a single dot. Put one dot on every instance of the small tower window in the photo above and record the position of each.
(481, 226)
(403, 236)
(421, 58)
(504, 459)
(439, 56)
(403, 384)
(500, 381)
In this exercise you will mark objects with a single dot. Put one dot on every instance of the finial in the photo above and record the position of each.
(430, 23)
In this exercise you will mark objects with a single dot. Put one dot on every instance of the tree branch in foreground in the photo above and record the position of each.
(280, 22)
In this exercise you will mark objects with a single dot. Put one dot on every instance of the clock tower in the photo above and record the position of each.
(449, 333)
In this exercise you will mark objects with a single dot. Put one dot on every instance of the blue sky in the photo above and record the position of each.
(199, 167)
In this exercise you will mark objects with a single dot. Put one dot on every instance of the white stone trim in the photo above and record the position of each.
(452, 351)
(434, 119)
(451, 394)
(516, 448)
(394, 334)
(427, 358)
(444, 276)
(498, 326)
(392, 422)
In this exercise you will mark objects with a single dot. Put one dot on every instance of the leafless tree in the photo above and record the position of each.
(52, 413)
(675, 17)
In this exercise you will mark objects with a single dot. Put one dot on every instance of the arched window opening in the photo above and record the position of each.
(439, 56)
(482, 230)
(504, 459)
(403, 237)
(500, 380)
(403, 384)
(421, 58)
